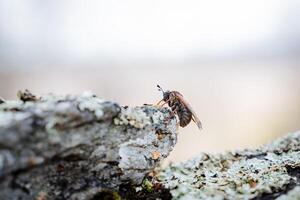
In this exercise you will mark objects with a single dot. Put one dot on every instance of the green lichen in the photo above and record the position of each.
(147, 185)
(234, 175)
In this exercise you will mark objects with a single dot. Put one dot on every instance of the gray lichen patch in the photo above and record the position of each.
(235, 175)
(136, 118)
(33, 128)
(146, 151)
(76, 145)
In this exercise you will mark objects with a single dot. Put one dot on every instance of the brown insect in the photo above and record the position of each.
(180, 107)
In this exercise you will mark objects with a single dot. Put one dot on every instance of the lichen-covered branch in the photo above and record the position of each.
(83, 147)
(78, 147)
(270, 172)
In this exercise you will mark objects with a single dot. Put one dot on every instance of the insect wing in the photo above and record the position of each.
(195, 118)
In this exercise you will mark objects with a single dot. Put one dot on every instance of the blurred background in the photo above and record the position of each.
(236, 62)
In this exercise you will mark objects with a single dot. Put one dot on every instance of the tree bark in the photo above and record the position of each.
(269, 172)
(83, 147)
(79, 147)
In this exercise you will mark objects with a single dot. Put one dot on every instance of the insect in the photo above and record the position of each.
(180, 107)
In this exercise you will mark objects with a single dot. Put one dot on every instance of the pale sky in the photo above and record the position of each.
(137, 29)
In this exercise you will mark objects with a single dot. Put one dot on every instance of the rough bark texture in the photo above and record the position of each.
(78, 147)
(83, 147)
(270, 172)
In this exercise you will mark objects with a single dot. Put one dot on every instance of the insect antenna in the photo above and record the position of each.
(160, 89)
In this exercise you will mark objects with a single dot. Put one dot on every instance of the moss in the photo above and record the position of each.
(106, 195)
(147, 185)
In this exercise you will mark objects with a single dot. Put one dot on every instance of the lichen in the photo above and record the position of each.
(147, 185)
(148, 150)
(65, 111)
(83, 145)
(9, 118)
(234, 175)
(133, 117)
(10, 105)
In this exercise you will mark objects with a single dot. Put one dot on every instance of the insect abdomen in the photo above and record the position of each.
(184, 115)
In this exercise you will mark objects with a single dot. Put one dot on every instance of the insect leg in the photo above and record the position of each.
(159, 102)
(165, 102)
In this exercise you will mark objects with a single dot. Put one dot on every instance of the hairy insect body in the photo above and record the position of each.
(180, 107)
(183, 113)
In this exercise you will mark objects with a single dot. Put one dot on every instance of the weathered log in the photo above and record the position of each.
(83, 147)
(269, 172)
(78, 147)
